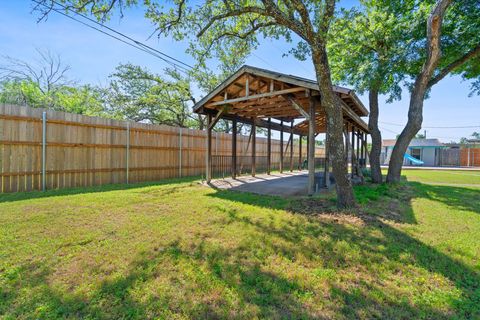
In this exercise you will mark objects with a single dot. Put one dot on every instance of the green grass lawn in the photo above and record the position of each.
(444, 177)
(178, 250)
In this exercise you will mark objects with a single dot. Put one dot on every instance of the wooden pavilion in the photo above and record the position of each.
(268, 99)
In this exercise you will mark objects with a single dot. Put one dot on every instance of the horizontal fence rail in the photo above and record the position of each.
(465, 157)
(45, 149)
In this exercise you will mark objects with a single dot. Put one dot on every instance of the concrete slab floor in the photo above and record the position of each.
(277, 184)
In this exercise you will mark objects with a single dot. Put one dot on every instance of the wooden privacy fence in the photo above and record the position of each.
(464, 157)
(448, 157)
(470, 157)
(45, 149)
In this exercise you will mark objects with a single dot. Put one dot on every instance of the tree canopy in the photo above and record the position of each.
(133, 92)
(46, 84)
(380, 46)
(138, 94)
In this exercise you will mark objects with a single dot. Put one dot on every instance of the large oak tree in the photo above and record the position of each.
(449, 43)
(381, 46)
(233, 27)
(367, 48)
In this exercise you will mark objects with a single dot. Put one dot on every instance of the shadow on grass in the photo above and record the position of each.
(393, 246)
(19, 196)
(459, 198)
(198, 294)
(204, 279)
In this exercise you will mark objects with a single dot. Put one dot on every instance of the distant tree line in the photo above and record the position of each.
(132, 92)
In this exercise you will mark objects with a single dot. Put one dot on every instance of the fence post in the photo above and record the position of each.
(44, 150)
(127, 153)
(180, 154)
(468, 157)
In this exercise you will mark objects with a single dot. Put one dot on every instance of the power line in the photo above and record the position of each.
(129, 38)
(464, 127)
(428, 127)
(440, 137)
(392, 124)
(136, 44)
(301, 65)
(263, 60)
(389, 130)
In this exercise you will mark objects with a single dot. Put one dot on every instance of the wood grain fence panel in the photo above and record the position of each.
(85, 151)
(470, 157)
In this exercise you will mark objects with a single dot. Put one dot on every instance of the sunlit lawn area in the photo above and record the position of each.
(456, 177)
(178, 250)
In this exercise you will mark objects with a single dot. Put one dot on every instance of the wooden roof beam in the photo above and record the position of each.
(261, 123)
(256, 96)
(280, 108)
(258, 103)
(297, 107)
(217, 117)
(358, 121)
(276, 102)
(269, 113)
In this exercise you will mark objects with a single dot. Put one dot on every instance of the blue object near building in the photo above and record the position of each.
(412, 159)
(420, 152)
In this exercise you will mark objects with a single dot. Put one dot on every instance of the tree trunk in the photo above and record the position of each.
(376, 137)
(201, 125)
(334, 115)
(414, 124)
(415, 117)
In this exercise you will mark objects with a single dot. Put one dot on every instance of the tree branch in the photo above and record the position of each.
(305, 16)
(231, 13)
(270, 10)
(434, 29)
(474, 52)
(289, 22)
(327, 18)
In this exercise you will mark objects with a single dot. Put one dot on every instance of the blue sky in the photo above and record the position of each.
(93, 56)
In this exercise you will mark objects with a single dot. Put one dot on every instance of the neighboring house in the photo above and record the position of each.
(426, 150)
(473, 143)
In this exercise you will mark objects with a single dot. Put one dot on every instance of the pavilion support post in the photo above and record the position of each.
(234, 149)
(281, 146)
(358, 151)
(362, 150)
(311, 147)
(353, 152)
(209, 149)
(347, 143)
(366, 149)
(291, 147)
(269, 146)
(300, 152)
(308, 144)
(365, 156)
(326, 168)
(254, 148)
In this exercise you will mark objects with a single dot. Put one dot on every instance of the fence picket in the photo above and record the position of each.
(84, 151)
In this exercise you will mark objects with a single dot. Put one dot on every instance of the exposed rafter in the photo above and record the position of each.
(256, 96)
(297, 107)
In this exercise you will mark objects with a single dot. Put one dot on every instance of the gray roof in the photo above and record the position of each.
(415, 143)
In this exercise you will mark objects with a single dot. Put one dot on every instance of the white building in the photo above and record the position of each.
(425, 150)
